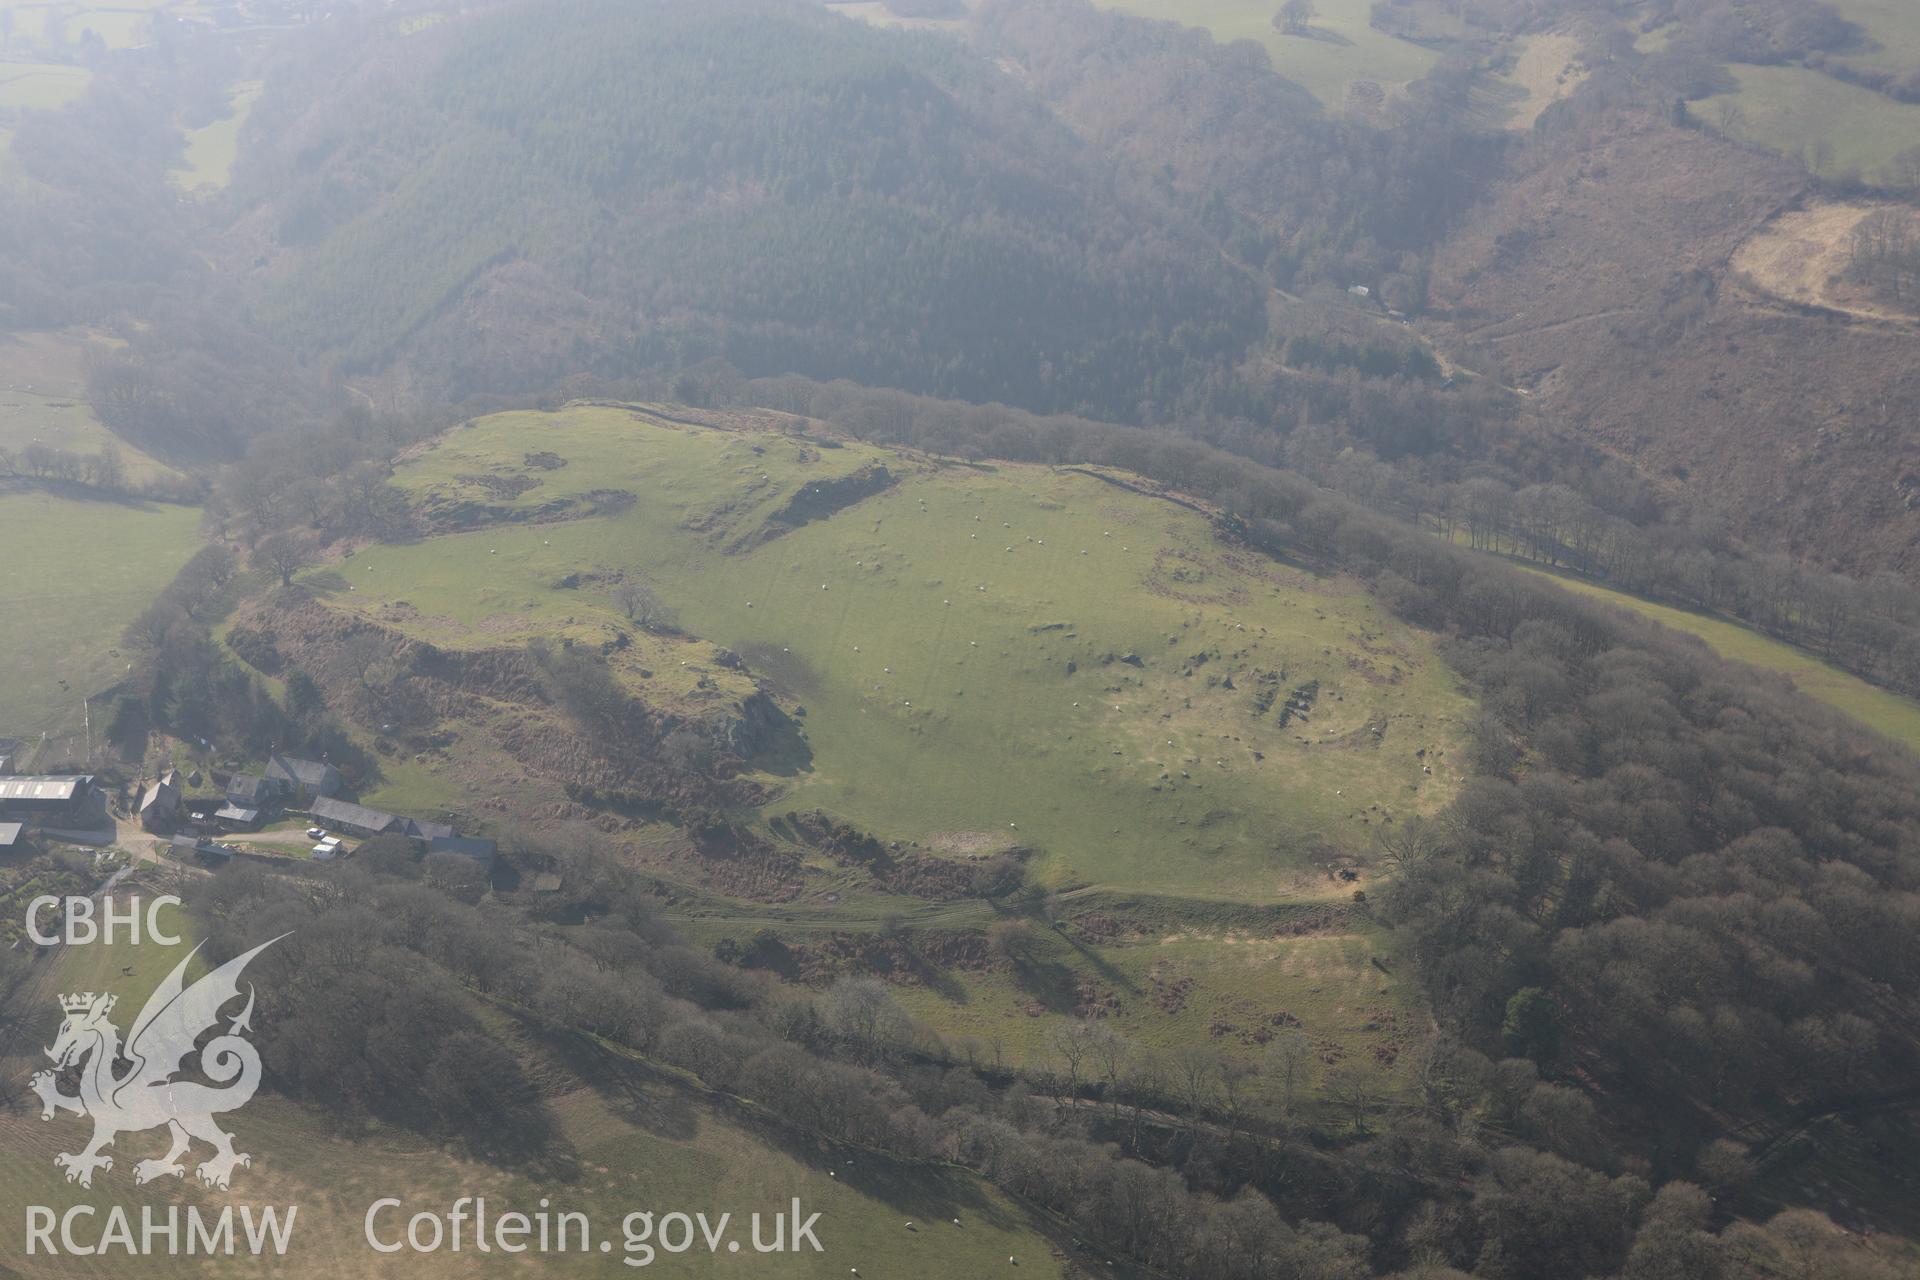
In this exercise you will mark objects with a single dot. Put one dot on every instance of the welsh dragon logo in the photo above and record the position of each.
(146, 1095)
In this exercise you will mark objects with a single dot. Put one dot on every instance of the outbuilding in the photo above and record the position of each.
(354, 819)
(44, 795)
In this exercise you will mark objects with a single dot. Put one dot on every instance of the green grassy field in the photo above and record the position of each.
(76, 572)
(1339, 47)
(1892, 28)
(1234, 990)
(1884, 712)
(647, 1146)
(43, 398)
(1793, 108)
(1164, 973)
(960, 645)
(41, 85)
(877, 13)
(211, 149)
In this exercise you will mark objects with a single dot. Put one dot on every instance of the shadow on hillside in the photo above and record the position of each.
(1049, 982)
(1099, 965)
(634, 1091)
(526, 1140)
(784, 750)
(930, 1198)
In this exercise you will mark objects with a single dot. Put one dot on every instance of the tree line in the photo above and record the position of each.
(373, 1007)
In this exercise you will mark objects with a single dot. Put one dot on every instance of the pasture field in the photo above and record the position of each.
(1338, 48)
(1545, 69)
(73, 573)
(212, 148)
(120, 24)
(43, 397)
(41, 85)
(1885, 712)
(1794, 109)
(645, 1143)
(1164, 973)
(877, 13)
(987, 656)
(1803, 256)
(1234, 991)
(1892, 29)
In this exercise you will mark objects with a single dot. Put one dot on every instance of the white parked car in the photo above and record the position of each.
(316, 833)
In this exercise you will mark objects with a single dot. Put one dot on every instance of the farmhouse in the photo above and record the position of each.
(159, 805)
(251, 791)
(354, 819)
(45, 796)
(303, 780)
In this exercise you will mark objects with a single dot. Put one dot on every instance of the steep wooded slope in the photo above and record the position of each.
(511, 198)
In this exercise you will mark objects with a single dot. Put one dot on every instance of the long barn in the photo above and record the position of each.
(44, 795)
